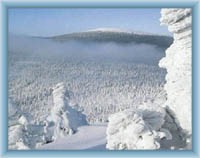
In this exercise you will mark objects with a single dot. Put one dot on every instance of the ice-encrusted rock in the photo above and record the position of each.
(136, 129)
(178, 64)
(64, 119)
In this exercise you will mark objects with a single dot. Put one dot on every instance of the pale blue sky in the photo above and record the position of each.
(50, 21)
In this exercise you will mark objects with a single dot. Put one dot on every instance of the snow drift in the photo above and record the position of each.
(178, 64)
(92, 137)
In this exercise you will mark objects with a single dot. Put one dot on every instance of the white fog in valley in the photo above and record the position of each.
(91, 90)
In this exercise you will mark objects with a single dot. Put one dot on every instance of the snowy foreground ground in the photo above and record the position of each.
(147, 127)
(91, 137)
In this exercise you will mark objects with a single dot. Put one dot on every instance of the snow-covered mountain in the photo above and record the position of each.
(105, 29)
(117, 36)
(118, 30)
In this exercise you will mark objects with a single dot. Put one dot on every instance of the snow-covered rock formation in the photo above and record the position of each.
(178, 64)
(137, 129)
(63, 120)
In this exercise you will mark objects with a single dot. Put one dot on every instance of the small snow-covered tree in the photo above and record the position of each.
(64, 118)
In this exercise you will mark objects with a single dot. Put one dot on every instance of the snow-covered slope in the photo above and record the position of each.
(178, 64)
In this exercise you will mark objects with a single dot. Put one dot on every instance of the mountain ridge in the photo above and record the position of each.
(117, 36)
